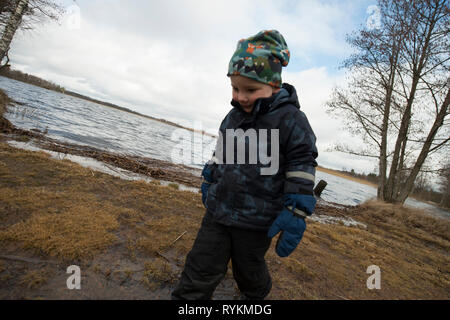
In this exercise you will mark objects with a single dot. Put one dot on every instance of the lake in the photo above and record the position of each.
(73, 120)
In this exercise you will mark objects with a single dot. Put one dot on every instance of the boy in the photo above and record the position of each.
(246, 208)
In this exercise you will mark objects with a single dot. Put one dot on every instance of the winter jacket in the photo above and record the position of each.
(239, 194)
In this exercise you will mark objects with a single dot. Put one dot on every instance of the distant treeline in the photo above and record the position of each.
(371, 177)
(27, 78)
(424, 193)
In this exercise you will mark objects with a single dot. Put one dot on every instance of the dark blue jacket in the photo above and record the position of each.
(239, 195)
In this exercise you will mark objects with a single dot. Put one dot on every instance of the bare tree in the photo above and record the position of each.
(15, 14)
(11, 26)
(6, 6)
(398, 93)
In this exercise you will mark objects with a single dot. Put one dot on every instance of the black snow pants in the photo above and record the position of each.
(207, 262)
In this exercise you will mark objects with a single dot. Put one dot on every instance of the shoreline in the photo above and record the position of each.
(147, 167)
(346, 176)
(126, 166)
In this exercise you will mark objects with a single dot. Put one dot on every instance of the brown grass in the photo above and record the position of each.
(4, 100)
(67, 212)
(159, 271)
(52, 208)
(35, 278)
(5, 125)
(76, 233)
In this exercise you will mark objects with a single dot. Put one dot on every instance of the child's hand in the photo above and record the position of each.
(205, 187)
(206, 174)
(291, 227)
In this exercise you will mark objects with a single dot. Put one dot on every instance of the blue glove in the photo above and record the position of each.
(303, 202)
(292, 225)
(207, 176)
(206, 173)
(205, 187)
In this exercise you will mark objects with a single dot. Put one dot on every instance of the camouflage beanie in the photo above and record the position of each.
(261, 57)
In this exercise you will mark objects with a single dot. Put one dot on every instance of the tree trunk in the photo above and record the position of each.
(400, 178)
(4, 6)
(11, 27)
(406, 190)
(385, 125)
(401, 138)
(383, 146)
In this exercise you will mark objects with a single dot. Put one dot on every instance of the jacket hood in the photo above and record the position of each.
(287, 94)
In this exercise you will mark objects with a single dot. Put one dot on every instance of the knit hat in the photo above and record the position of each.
(261, 57)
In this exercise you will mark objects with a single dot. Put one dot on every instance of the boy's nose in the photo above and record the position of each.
(242, 98)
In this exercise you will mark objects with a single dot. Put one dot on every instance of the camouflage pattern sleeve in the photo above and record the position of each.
(301, 154)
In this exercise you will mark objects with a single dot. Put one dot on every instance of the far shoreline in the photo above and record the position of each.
(345, 176)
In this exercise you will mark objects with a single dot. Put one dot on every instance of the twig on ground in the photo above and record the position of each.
(163, 256)
(178, 238)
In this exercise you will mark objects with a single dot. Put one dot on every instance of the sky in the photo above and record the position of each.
(169, 59)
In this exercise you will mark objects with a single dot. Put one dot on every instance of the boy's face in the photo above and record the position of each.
(246, 91)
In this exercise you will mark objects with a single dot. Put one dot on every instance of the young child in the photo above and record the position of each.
(245, 208)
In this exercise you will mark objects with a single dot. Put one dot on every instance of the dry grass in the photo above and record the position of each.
(5, 125)
(79, 232)
(4, 100)
(159, 271)
(67, 212)
(60, 209)
(35, 278)
(404, 218)
(410, 247)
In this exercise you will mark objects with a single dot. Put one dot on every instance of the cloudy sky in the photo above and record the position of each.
(169, 58)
